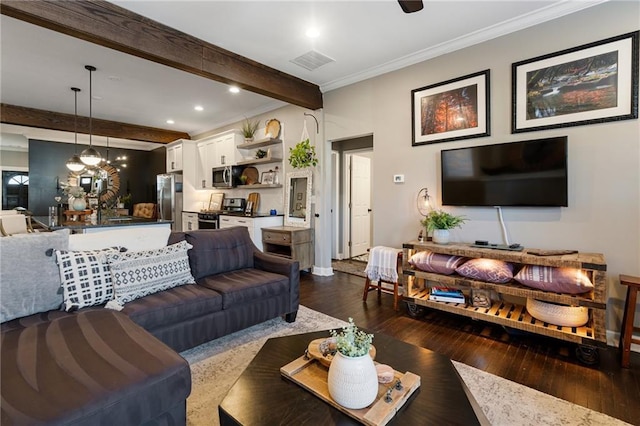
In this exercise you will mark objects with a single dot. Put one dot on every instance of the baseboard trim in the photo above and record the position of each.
(322, 272)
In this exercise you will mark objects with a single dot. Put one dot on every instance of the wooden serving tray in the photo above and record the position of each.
(312, 375)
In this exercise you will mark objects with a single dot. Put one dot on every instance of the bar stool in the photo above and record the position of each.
(626, 334)
(371, 285)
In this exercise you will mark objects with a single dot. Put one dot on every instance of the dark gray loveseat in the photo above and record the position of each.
(98, 366)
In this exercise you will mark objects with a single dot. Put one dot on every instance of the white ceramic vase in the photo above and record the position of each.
(441, 236)
(79, 203)
(353, 381)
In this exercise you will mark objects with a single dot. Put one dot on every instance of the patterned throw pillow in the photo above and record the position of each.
(429, 261)
(490, 270)
(139, 273)
(558, 280)
(85, 276)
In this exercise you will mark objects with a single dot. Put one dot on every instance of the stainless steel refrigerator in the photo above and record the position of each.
(169, 187)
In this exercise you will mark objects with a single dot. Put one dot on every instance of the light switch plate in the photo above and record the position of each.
(398, 178)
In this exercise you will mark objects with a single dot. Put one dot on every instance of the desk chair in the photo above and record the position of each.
(15, 224)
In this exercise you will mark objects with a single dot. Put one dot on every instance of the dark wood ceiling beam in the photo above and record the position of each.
(106, 24)
(23, 116)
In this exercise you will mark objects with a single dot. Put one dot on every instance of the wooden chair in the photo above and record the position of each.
(15, 224)
(370, 285)
(626, 333)
(145, 210)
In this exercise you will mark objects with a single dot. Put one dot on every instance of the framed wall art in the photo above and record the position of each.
(593, 83)
(451, 110)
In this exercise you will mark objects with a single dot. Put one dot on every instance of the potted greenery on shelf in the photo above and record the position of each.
(440, 222)
(352, 378)
(303, 155)
(249, 129)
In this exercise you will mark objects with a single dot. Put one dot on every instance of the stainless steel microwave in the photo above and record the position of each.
(227, 176)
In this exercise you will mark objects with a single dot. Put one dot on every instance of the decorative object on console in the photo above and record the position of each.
(429, 261)
(490, 270)
(352, 379)
(566, 316)
(588, 84)
(557, 280)
(74, 163)
(249, 129)
(438, 221)
(90, 156)
(452, 110)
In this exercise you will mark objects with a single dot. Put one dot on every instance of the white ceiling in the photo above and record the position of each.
(365, 38)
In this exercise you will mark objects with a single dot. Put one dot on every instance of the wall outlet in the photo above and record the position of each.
(398, 178)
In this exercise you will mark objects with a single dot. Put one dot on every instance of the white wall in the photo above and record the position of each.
(604, 159)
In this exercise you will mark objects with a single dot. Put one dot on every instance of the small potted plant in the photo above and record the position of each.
(352, 378)
(303, 155)
(249, 129)
(440, 222)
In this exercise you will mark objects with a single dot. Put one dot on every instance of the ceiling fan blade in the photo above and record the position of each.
(410, 6)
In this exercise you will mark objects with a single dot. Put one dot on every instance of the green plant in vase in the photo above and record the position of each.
(249, 129)
(440, 222)
(351, 341)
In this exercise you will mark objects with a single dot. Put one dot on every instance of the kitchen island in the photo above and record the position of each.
(117, 222)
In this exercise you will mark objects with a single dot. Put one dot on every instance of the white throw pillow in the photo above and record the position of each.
(140, 238)
(85, 276)
(139, 273)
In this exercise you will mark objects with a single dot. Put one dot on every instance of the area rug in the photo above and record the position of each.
(350, 266)
(216, 365)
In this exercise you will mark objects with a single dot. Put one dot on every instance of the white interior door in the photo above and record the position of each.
(360, 205)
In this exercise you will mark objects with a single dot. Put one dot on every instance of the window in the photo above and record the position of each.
(15, 190)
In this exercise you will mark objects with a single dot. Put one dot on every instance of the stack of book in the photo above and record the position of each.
(446, 294)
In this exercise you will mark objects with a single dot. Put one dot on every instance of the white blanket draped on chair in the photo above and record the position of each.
(383, 264)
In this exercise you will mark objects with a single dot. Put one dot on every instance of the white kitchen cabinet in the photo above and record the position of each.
(226, 153)
(216, 151)
(189, 221)
(206, 156)
(254, 224)
(174, 157)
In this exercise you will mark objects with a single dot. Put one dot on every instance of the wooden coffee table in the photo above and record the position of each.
(261, 396)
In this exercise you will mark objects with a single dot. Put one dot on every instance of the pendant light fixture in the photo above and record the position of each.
(90, 156)
(74, 164)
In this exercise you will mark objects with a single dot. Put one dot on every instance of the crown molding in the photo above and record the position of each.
(540, 16)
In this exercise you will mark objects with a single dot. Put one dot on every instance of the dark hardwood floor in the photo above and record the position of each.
(548, 365)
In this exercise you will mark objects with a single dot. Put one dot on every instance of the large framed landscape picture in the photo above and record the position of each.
(451, 110)
(589, 84)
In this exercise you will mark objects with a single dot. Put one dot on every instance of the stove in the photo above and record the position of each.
(210, 219)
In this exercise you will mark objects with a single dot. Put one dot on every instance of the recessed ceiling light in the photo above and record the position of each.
(313, 32)
(234, 89)
(198, 108)
(170, 121)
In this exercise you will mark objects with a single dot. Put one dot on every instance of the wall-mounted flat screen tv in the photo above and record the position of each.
(527, 173)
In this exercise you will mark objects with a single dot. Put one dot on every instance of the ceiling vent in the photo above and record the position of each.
(312, 60)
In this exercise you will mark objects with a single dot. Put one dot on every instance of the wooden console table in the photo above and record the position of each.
(504, 311)
(77, 215)
(290, 242)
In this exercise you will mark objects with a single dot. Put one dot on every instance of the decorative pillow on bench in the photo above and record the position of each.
(139, 273)
(429, 261)
(490, 270)
(558, 280)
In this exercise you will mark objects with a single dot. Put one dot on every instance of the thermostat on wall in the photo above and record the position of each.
(398, 178)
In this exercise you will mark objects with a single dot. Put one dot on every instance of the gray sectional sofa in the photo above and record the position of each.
(99, 366)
